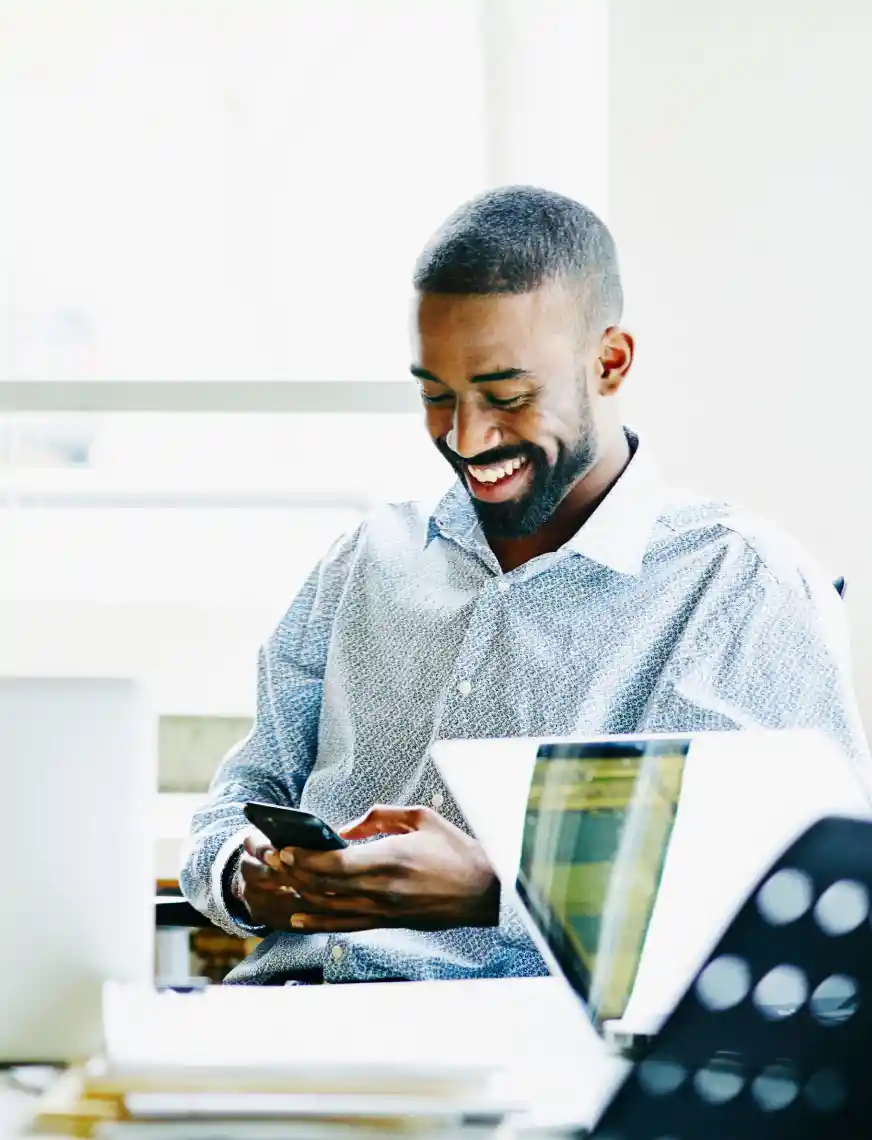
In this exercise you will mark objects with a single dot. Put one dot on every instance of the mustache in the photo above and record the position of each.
(485, 458)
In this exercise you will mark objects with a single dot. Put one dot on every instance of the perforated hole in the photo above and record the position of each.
(660, 1076)
(775, 1088)
(781, 992)
(720, 1080)
(842, 907)
(826, 1091)
(835, 1000)
(785, 897)
(724, 982)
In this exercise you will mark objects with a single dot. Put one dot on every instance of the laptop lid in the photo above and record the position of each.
(80, 782)
(630, 855)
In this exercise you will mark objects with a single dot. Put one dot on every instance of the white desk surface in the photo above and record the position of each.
(530, 1032)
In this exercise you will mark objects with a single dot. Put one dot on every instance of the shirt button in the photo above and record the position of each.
(503, 585)
(337, 953)
(437, 800)
(464, 687)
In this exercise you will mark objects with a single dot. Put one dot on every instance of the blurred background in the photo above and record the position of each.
(209, 212)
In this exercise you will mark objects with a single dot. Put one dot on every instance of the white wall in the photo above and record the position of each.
(740, 180)
(546, 94)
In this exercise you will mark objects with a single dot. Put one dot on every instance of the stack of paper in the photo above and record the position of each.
(430, 1057)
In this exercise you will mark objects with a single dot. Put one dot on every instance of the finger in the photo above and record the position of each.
(347, 905)
(319, 862)
(383, 820)
(261, 877)
(335, 924)
(303, 922)
(273, 911)
(259, 847)
(364, 869)
(327, 886)
(336, 867)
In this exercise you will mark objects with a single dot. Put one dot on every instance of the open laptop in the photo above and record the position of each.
(79, 790)
(629, 856)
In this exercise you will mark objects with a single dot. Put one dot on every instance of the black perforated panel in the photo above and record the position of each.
(774, 1036)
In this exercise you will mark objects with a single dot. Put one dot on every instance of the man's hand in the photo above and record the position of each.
(261, 884)
(426, 874)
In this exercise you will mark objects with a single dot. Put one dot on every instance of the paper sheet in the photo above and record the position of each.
(523, 1041)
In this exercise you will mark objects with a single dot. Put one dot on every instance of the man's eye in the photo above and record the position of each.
(441, 399)
(511, 402)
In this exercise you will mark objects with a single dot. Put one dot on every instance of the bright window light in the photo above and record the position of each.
(203, 191)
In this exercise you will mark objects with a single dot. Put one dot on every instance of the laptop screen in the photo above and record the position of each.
(598, 824)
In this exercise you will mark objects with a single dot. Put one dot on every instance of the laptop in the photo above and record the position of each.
(629, 856)
(79, 792)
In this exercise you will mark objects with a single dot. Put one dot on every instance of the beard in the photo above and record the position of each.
(550, 483)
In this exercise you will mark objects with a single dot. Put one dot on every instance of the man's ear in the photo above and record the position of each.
(615, 358)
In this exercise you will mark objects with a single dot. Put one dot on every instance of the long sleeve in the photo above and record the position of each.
(273, 763)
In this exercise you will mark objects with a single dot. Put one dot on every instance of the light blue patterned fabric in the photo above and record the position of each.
(663, 613)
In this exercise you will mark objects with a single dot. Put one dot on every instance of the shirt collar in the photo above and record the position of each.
(618, 532)
(454, 515)
(616, 535)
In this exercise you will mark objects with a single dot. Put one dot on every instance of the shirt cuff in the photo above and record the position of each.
(231, 921)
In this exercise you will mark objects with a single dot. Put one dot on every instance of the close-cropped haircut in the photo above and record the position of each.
(518, 238)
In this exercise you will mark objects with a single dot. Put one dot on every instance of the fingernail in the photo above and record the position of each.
(288, 857)
(297, 921)
(271, 859)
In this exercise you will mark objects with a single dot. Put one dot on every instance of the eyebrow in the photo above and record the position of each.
(481, 378)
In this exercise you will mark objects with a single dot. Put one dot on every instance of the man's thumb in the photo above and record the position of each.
(384, 821)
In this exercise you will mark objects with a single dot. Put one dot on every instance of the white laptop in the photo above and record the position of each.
(629, 856)
(79, 772)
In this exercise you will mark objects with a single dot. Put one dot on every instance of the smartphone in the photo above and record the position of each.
(292, 827)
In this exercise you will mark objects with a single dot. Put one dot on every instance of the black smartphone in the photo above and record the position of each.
(292, 827)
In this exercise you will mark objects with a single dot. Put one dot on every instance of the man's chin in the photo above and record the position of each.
(514, 519)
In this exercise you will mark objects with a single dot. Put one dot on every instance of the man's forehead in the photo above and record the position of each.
(551, 298)
(483, 323)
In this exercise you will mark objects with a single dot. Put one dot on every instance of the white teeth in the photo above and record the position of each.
(496, 471)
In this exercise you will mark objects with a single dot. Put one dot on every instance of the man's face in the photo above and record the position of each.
(505, 382)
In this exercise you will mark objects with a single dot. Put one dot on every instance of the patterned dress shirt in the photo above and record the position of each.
(663, 613)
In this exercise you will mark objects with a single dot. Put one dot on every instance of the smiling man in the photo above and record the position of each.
(560, 587)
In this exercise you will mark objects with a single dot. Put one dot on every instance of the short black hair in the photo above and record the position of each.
(516, 239)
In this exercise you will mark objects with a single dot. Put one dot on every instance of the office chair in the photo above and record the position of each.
(173, 911)
(771, 1038)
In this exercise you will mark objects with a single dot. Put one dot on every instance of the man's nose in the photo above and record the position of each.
(473, 432)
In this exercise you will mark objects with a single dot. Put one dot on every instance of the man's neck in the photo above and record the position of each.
(573, 512)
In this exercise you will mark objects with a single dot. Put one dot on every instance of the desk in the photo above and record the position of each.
(15, 1108)
(531, 1034)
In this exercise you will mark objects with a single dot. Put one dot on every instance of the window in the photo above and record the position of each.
(198, 191)
(209, 215)
(167, 546)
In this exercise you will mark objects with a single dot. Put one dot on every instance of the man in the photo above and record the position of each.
(559, 588)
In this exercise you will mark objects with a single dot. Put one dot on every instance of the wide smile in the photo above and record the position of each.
(498, 482)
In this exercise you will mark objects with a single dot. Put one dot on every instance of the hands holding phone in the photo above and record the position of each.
(423, 874)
